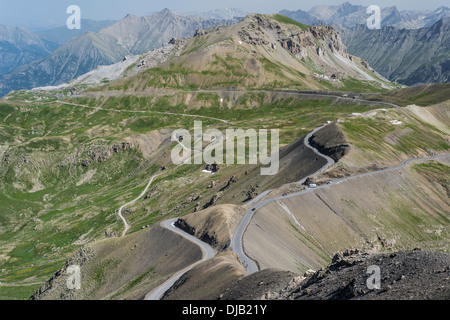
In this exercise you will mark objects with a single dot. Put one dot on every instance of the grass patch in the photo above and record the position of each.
(287, 20)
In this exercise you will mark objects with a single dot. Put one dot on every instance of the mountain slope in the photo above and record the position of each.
(422, 95)
(259, 52)
(221, 14)
(411, 275)
(407, 56)
(61, 35)
(77, 57)
(149, 258)
(132, 35)
(19, 46)
(349, 15)
(302, 17)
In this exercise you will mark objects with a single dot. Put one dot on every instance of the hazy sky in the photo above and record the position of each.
(34, 13)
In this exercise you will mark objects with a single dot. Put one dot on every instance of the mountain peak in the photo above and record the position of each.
(442, 8)
(130, 16)
(262, 41)
(166, 11)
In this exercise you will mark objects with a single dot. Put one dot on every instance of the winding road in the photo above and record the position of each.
(127, 226)
(330, 161)
(257, 203)
(207, 250)
(237, 241)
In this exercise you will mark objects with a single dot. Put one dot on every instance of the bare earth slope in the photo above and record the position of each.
(124, 268)
(256, 285)
(398, 210)
(208, 279)
(214, 225)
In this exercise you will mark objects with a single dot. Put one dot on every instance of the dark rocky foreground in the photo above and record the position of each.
(254, 286)
(415, 275)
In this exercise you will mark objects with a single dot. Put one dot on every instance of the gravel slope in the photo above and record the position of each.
(414, 275)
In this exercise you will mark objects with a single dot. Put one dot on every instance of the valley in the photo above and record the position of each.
(87, 177)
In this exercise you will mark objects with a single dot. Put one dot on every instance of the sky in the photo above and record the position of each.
(44, 13)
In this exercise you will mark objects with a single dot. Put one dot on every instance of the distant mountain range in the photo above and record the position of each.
(348, 15)
(130, 36)
(20, 46)
(411, 47)
(62, 34)
(56, 56)
(407, 56)
(221, 14)
(262, 51)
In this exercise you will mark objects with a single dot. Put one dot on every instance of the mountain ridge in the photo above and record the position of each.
(348, 15)
(60, 35)
(261, 51)
(132, 35)
(19, 46)
(410, 57)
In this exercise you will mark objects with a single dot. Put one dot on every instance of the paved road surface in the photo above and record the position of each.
(208, 253)
(237, 241)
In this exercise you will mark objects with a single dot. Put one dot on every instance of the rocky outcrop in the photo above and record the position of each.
(58, 282)
(191, 199)
(409, 275)
(330, 141)
(320, 48)
(183, 225)
(212, 167)
(317, 37)
(101, 154)
(213, 200)
(214, 225)
(256, 285)
(204, 235)
(232, 180)
(124, 146)
(251, 193)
